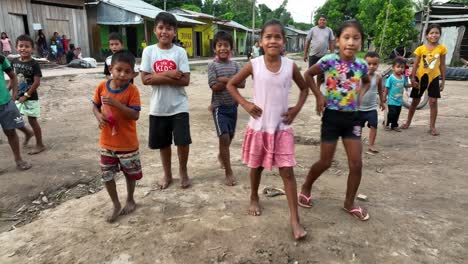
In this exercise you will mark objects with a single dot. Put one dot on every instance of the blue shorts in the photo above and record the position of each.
(369, 117)
(225, 119)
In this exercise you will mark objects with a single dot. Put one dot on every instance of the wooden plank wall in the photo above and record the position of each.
(70, 21)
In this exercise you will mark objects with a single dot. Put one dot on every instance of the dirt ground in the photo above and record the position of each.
(416, 188)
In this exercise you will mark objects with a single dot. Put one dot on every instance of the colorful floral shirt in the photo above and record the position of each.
(342, 81)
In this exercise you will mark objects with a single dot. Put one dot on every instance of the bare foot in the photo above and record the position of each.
(164, 183)
(254, 208)
(128, 208)
(221, 163)
(372, 149)
(230, 180)
(115, 213)
(37, 150)
(405, 126)
(298, 231)
(434, 132)
(27, 138)
(185, 182)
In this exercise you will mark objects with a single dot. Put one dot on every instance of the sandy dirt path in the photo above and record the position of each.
(417, 191)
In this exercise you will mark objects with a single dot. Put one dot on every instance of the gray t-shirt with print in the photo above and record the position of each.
(320, 39)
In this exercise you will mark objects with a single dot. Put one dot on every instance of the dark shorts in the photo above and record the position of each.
(126, 161)
(10, 117)
(163, 128)
(433, 88)
(313, 60)
(225, 119)
(369, 117)
(336, 124)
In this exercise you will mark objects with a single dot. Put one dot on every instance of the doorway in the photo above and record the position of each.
(132, 40)
(199, 43)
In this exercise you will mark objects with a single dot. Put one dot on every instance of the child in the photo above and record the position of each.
(5, 42)
(269, 139)
(70, 54)
(53, 49)
(344, 73)
(394, 93)
(117, 107)
(368, 105)
(59, 44)
(27, 100)
(165, 67)
(115, 44)
(255, 50)
(10, 117)
(66, 43)
(223, 105)
(428, 71)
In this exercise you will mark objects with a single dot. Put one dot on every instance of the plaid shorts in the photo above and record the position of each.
(114, 161)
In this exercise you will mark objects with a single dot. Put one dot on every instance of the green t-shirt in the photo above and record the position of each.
(5, 96)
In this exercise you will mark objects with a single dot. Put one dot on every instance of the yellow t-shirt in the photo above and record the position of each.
(429, 61)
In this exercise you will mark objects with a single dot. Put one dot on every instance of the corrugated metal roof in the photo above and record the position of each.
(144, 9)
(297, 30)
(190, 13)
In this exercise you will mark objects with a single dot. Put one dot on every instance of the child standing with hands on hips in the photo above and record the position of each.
(428, 70)
(344, 73)
(269, 139)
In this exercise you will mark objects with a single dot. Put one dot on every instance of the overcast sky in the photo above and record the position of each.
(301, 10)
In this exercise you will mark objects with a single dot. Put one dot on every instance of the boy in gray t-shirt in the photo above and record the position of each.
(165, 67)
(223, 105)
(368, 105)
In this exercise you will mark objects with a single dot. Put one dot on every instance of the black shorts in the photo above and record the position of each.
(433, 88)
(313, 60)
(225, 119)
(369, 117)
(336, 124)
(163, 128)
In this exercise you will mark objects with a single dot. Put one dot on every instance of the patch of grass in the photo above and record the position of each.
(360, 54)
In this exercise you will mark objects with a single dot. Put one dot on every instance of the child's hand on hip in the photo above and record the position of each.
(290, 115)
(321, 103)
(253, 110)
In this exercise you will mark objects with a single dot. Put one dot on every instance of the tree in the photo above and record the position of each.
(174, 3)
(400, 28)
(368, 12)
(191, 7)
(338, 11)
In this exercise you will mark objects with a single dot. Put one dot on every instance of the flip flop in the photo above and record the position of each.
(272, 191)
(23, 165)
(358, 213)
(308, 199)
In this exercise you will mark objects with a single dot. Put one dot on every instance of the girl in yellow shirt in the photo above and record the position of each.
(428, 71)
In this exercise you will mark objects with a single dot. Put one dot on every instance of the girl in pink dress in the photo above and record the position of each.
(6, 44)
(269, 138)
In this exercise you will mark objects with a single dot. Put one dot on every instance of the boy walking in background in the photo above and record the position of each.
(116, 106)
(115, 45)
(368, 106)
(165, 67)
(223, 105)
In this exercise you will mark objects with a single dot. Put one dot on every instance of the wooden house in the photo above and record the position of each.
(63, 16)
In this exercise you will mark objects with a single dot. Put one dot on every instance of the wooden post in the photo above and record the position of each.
(426, 23)
(456, 52)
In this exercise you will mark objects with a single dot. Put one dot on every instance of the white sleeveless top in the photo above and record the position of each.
(271, 90)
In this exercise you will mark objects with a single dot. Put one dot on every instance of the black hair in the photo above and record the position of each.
(350, 23)
(5, 34)
(372, 54)
(166, 18)
(25, 37)
(223, 35)
(72, 46)
(273, 22)
(115, 36)
(123, 56)
(431, 26)
(399, 61)
(323, 16)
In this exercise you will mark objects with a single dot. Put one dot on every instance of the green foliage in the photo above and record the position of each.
(170, 4)
(368, 12)
(400, 29)
(302, 26)
(191, 7)
(338, 11)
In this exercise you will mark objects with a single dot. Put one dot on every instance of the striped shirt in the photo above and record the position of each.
(221, 69)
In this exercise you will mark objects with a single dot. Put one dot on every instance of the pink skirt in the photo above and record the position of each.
(261, 149)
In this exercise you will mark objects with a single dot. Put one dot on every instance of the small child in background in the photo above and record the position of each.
(28, 99)
(368, 105)
(116, 44)
(53, 49)
(70, 54)
(5, 43)
(393, 93)
(116, 106)
(223, 105)
(66, 44)
(269, 138)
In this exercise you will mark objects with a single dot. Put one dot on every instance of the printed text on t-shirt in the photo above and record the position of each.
(164, 65)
